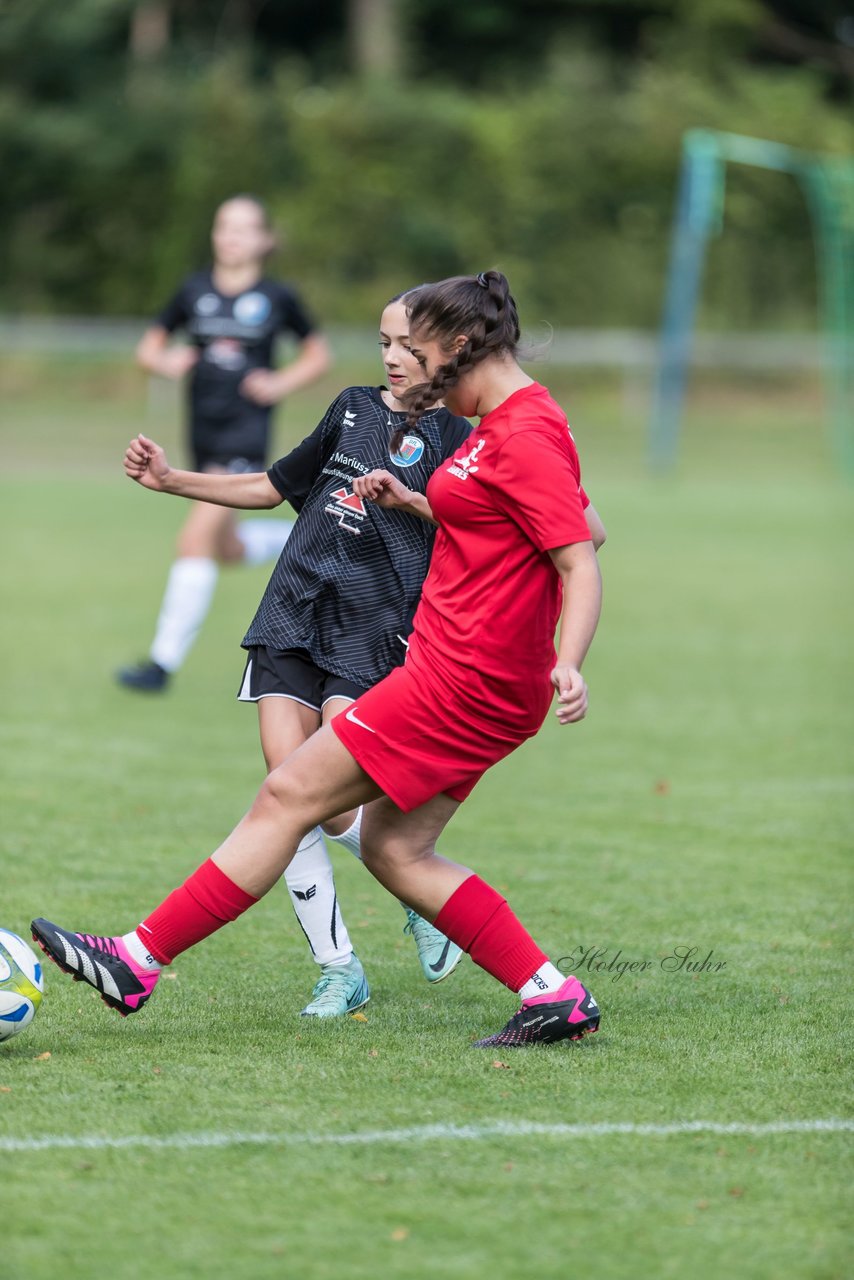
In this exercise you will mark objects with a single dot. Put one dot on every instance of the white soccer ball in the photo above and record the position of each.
(21, 984)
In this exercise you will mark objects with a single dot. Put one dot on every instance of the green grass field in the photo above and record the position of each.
(706, 802)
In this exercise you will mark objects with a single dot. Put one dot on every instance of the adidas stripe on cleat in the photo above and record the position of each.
(105, 963)
(566, 1014)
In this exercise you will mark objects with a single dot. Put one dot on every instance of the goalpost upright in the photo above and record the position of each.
(828, 186)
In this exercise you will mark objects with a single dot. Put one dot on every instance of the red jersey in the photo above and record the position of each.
(475, 683)
(492, 597)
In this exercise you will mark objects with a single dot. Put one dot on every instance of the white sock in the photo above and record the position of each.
(311, 887)
(544, 981)
(139, 951)
(186, 600)
(351, 838)
(263, 539)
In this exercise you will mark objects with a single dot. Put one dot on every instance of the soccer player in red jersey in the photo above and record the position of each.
(336, 614)
(513, 555)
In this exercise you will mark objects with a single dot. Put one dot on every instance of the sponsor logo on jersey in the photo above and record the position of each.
(410, 450)
(347, 461)
(207, 304)
(349, 509)
(226, 353)
(252, 308)
(465, 467)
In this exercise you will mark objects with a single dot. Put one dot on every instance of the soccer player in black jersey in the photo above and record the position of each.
(232, 314)
(336, 614)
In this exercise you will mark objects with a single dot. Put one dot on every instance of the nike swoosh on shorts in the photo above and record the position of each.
(355, 719)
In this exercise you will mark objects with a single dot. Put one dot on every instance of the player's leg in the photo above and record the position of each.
(206, 538)
(260, 541)
(437, 955)
(342, 987)
(400, 850)
(228, 545)
(318, 781)
(344, 827)
(256, 541)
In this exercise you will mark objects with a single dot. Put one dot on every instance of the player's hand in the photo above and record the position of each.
(175, 362)
(262, 386)
(146, 463)
(572, 694)
(382, 488)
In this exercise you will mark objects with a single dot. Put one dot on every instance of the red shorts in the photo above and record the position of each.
(416, 743)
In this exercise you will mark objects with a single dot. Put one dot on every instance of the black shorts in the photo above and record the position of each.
(291, 673)
(205, 461)
(238, 441)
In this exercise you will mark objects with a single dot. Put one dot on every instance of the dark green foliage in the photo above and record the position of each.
(551, 152)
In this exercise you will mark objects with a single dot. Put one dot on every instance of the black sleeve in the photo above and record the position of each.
(176, 313)
(454, 433)
(295, 318)
(294, 475)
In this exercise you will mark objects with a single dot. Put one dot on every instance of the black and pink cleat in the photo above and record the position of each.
(105, 963)
(566, 1014)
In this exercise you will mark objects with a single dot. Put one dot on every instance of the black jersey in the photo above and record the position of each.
(349, 578)
(234, 334)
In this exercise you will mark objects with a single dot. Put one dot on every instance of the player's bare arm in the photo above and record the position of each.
(387, 491)
(155, 355)
(582, 602)
(147, 464)
(595, 525)
(269, 386)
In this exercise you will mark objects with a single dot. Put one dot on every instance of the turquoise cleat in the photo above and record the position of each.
(438, 955)
(340, 989)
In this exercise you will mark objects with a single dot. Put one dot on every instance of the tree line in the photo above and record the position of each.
(400, 141)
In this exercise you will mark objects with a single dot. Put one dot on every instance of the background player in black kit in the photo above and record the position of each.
(336, 613)
(232, 315)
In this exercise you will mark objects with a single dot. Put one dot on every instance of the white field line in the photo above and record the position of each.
(421, 1133)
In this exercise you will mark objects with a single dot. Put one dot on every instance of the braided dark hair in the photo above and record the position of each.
(481, 307)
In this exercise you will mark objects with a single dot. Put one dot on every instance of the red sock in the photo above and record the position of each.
(204, 903)
(479, 920)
